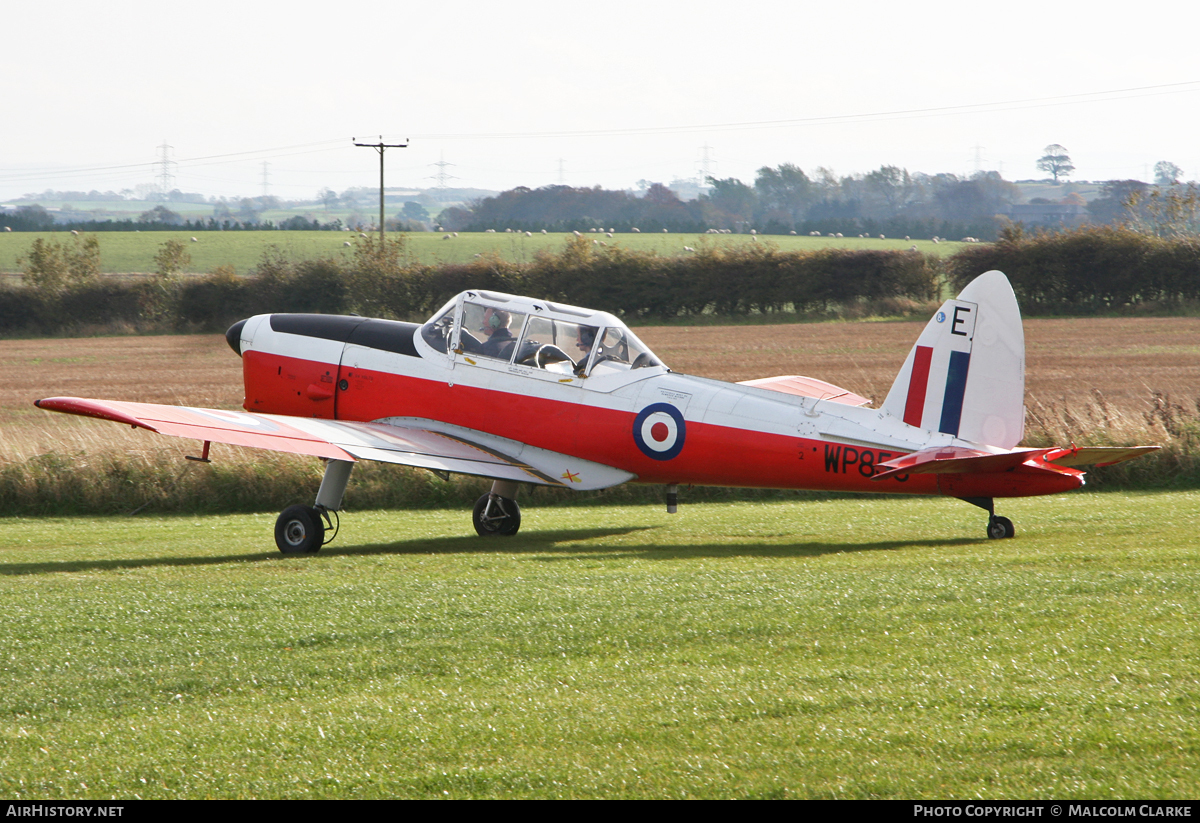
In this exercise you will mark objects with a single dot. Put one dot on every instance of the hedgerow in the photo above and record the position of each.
(382, 281)
(1091, 270)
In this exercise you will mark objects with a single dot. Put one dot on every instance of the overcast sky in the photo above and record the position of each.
(608, 93)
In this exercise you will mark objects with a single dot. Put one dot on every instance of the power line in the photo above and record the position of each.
(934, 111)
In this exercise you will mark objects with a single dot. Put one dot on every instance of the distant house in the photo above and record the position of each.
(1047, 214)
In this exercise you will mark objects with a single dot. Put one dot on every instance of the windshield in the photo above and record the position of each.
(620, 349)
(595, 343)
(556, 345)
(489, 331)
(438, 330)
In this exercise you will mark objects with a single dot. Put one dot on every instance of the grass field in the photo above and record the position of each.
(131, 252)
(836, 649)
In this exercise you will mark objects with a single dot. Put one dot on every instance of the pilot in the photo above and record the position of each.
(585, 336)
(495, 327)
(584, 339)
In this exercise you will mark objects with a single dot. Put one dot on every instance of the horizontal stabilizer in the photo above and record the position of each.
(957, 460)
(1096, 455)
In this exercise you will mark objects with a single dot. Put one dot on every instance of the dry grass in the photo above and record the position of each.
(1096, 381)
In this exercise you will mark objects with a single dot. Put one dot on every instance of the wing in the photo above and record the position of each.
(808, 387)
(426, 444)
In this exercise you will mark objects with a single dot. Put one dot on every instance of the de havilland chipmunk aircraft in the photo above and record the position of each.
(523, 390)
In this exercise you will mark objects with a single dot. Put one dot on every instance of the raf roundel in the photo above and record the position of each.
(659, 431)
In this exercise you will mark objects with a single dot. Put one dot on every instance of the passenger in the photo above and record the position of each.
(585, 336)
(500, 340)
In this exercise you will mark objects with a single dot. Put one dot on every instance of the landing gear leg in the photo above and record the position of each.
(497, 512)
(301, 529)
(998, 528)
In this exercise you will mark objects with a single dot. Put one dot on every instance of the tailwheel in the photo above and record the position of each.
(1000, 527)
(299, 530)
(496, 515)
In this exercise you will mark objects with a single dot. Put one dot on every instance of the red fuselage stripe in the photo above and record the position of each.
(914, 405)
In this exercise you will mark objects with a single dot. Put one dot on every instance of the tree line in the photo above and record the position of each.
(63, 292)
(1092, 270)
(781, 200)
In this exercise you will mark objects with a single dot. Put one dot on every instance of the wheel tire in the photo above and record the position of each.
(299, 530)
(999, 528)
(504, 517)
(1009, 530)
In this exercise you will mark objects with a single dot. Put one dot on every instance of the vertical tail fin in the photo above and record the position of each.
(966, 374)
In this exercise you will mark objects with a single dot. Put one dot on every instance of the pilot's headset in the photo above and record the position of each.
(494, 319)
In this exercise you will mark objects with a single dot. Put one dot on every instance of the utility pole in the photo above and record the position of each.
(381, 147)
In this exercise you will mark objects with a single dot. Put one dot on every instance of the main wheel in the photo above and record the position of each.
(496, 515)
(299, 530)
(1000, 527)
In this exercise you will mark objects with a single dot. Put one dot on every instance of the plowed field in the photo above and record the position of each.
(1127, 360)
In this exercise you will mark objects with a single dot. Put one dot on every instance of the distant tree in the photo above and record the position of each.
(160, 214)
(248, 210)
(298, 222)
(34, 217)
(1166, 173)
(784, 193)
(455, 218)
(171, 258)
(733, 200)
(414, 211)
(892, 185)
(53, 268)
(1169, 211)
(660, 195)
(1056, 161)
(979, 198)
(1117, 198)
(328, 198)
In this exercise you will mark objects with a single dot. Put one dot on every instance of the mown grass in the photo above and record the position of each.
(852, 648)
(124, 252)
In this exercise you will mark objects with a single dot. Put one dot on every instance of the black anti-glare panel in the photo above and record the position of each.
(326, 326)
(387, 335)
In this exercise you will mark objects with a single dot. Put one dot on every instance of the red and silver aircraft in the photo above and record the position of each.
(522, 390)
